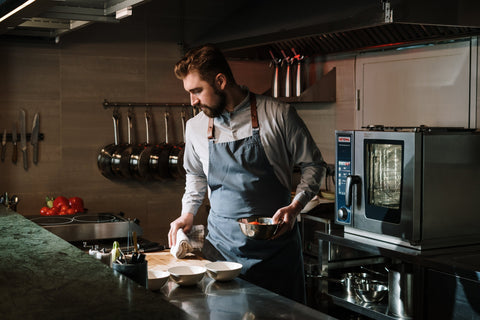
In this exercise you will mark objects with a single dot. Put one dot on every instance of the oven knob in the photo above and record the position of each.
(342, 214)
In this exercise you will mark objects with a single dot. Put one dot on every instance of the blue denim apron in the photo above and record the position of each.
(242, 184)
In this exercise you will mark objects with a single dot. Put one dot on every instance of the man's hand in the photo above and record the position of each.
(185, 222)
(287, 217)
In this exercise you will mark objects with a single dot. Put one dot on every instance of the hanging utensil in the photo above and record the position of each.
(299, 73)
(104, 158)
(276, 75)
(23, 139)
(288, 88)
(159, 157)
(34, 137)
(123, 154)
(165, 156)
(134, 158)
(175, 159)
(144, 159)
(14, 142)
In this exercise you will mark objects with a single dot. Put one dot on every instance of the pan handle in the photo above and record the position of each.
(115, 125)
(129, 125)
(132, 133)
(148, 116)
(166, 127)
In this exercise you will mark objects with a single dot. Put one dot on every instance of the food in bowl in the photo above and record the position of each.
(223, 270)
(187, 275)
(157, 278)
(259, 228)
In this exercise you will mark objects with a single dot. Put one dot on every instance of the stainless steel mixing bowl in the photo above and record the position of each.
(370, 291)
(259, 228)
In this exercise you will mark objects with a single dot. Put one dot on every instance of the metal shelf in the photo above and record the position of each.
(377, 311)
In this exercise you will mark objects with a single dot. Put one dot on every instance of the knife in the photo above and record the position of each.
(23, 139)
(4, 144)
(14, 142)
(34, 137)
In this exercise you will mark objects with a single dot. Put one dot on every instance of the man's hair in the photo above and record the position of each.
(208, 61)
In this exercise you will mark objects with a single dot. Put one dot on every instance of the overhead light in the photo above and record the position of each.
(123, 13)
(20, 7)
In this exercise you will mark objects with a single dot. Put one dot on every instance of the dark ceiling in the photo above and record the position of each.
(250, 29)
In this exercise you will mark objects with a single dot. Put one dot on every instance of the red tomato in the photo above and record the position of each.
(60, 201)
(76, 204)
(52, 211)
(44, 211)
(70, 211)
(64, 208)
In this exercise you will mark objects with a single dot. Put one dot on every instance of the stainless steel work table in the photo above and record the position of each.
(236, 299)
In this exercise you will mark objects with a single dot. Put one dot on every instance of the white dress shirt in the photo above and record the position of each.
(285, 139)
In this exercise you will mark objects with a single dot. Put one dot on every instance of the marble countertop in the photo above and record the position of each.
(45, 277)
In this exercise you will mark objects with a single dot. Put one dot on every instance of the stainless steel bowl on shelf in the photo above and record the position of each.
(370, 291)
(259, 228)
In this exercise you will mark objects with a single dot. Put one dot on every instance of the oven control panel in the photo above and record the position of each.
(343, 163)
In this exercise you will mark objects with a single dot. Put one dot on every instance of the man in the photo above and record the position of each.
(242, 149)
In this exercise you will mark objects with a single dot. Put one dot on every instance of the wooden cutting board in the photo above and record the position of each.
(164, 259)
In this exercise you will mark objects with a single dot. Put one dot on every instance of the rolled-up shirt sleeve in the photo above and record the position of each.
(196, 179)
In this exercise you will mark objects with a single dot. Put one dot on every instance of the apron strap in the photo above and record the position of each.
(253, 112)
(210, 129)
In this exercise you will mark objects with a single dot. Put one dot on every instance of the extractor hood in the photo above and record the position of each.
(48, 19)
(252, 28)
(332, 26)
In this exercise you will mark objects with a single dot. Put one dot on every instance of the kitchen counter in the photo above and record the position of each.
(45, 277)
(236, 299)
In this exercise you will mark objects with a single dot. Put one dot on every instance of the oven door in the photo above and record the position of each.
(387, 170)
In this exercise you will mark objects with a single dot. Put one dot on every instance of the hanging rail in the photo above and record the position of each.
(106, 104)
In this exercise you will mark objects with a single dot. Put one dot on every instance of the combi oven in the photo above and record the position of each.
(418, 186)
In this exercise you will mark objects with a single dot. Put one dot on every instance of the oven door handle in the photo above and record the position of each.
(350, 182)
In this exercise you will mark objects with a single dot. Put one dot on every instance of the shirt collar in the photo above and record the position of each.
(245, 103)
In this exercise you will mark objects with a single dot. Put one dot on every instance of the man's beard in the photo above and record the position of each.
(216, 110)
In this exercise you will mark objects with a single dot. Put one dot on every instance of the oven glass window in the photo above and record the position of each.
(384, 164)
